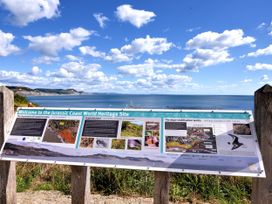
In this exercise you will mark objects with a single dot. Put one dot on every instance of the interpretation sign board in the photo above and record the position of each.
(193, 141)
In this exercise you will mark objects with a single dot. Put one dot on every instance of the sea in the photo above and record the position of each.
(156, 101)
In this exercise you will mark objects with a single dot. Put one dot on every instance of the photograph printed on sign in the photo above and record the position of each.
(134, 144)
(118, 144)
(152, 134)
(86, 142)
(102, 143)
(61, 131)
(198, 140)
(132, 128)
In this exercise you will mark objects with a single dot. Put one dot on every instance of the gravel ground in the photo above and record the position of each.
(55, 197)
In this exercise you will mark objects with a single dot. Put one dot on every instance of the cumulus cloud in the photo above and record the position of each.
(72, 58)
(36, 70)
(45, 60)
(151, 79)
(101, 19)
(214, 40)
(264, 78)
(260, 52)
(81, 71)
(115, 55)
(87, 50)
(136, 17)
(259, 66)
(246, 81)
(137, 70)
(23, 12)
(147, 45)
(212, 48)
(21, 79)
(6, 46)
(50, 44)
(267, 27)
(163, 81)
(205, 57)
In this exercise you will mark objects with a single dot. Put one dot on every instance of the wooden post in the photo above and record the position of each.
(7, 168)
(80, 184)
(161, 191)
(262, 187)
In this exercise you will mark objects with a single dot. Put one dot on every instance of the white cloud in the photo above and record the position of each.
(137, 70)
(193, 29)
(50, 44)
(115, 55)
(136, 17)
(214, 40)
(101, 19)
(163, 81)
(205, 57)
(246, 81)
(20, 79)
(36, 70)
(87, 50)
(261, 26)
(147, 68)
(6, 47)
(147, 45)
(260, 52)
(26, 11)
(259, 66)
(79, 70)
(264, 78)
(45, 60)
(211, 48)
(266, 27)
(72, 58)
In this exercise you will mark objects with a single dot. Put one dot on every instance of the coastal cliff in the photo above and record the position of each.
(25, 91)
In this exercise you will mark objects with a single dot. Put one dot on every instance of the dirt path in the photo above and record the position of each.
(55, 197)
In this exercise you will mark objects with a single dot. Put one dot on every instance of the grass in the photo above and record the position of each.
(130, 129)
(184, 187)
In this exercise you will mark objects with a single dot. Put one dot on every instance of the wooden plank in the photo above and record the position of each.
(80, 184)
(161, 191)
(262, 187)
(7, 168)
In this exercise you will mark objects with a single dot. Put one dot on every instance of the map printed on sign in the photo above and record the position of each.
(193, 141)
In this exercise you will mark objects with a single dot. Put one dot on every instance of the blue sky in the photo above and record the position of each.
(169, 47)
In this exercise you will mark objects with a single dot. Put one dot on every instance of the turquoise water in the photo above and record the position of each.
(148, 101)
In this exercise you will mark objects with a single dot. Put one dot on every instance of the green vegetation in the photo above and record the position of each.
(21, 101)
(129, 128)
(184, 187)
(118, 144)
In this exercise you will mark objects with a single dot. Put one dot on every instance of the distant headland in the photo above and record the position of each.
(25, 91)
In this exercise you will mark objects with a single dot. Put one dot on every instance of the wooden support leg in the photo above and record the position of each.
(80, 184)
(7, 168)
(161, 191)
(262, 187)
